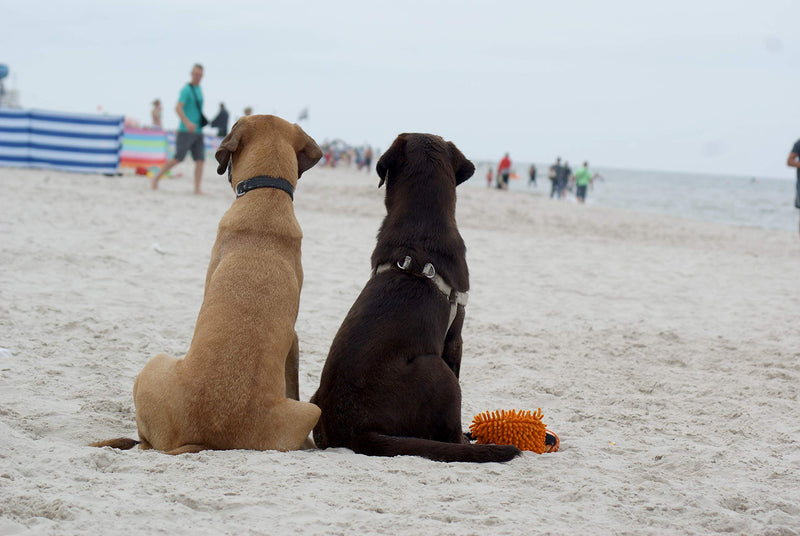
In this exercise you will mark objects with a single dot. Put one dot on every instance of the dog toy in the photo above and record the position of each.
(523, 429)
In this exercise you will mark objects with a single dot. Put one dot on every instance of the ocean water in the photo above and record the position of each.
(743, 201)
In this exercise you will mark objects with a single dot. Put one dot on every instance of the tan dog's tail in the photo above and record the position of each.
(121, 443)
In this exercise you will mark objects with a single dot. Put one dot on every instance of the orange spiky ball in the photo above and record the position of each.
(523, 429)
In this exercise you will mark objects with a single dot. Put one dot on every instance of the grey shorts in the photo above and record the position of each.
(184, 141)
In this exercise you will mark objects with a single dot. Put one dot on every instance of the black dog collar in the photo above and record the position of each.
(264, 181)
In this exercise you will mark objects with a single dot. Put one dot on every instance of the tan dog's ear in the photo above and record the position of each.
(308, 152)
(392, 158)
(463, 167)
(229, 145)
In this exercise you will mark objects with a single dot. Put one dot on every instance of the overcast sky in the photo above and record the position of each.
(699, 86)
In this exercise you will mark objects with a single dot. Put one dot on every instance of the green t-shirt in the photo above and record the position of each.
(583, 176)
(191, 107)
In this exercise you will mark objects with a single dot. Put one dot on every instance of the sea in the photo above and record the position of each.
(767, 203)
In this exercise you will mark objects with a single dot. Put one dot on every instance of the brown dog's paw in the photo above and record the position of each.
(496, 453)
(503, 453)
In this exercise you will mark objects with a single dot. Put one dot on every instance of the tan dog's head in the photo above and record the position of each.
(266, 145)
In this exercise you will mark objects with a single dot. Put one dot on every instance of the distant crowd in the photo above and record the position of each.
(337, 153)
(189, 140)
(562, 178)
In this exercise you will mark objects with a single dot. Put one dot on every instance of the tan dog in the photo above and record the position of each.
(237, 387)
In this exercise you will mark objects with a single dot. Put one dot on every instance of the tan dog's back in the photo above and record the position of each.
(237, 386)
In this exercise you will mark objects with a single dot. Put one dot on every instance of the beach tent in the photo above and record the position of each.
(143, 148)
(64, 141)
(149, 148)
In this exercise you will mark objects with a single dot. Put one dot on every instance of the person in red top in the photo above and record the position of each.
(503, 171)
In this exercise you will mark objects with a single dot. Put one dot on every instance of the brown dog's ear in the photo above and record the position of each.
(463, 167)
(392, 158)
(229, 145)
(308, 152)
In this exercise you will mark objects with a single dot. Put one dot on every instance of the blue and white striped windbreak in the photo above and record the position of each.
(64, 141)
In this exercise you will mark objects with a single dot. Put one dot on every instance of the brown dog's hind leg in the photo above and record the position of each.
(291, 370)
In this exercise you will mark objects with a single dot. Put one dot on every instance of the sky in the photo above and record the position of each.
(703, 86)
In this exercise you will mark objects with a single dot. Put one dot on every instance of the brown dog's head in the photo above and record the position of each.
(414, 153)
(266, 145)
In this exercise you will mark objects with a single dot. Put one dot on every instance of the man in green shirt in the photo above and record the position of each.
(582, 180)
(190, 133)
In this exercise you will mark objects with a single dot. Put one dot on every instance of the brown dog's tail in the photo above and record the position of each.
(376, 444)
(121, 443)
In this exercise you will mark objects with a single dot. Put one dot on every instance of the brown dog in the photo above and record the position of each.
(390, 383)
(237, 387)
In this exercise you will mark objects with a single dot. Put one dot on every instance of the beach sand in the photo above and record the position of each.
(664, 352)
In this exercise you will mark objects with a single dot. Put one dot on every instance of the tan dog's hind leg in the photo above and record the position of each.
(187, 449)
(287, 425)
(308, 444)
(292, 371)
(156, 394)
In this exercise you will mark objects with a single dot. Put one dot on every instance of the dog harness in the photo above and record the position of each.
(262, 181)
(453, 296)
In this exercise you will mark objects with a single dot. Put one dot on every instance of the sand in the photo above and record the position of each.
(664, 352)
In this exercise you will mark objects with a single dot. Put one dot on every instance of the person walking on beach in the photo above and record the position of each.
(531, 175)
(582, 180)
(503, 171)
(221, 121)
(489, 177)
(368, 157)
(794, 161)
(563, 179)
(190, 135)
(155, 114)
(553, 174)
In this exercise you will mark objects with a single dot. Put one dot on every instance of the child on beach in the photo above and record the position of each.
(156, 114)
